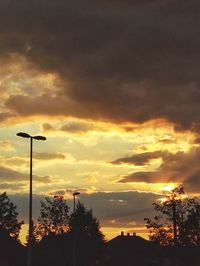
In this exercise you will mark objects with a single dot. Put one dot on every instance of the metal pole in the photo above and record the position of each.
(29, 258)
(74, 203)
(74, 237)
(174, 222)
(198, 225)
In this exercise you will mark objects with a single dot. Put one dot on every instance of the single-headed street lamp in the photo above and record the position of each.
(74, 196)
(25, 135)
(74, 233)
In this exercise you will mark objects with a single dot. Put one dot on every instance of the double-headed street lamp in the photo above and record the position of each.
(25, 135)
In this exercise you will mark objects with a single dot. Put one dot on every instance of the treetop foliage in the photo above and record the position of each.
(9, 216)
(84, 222)
(177, 221)
(54, 216)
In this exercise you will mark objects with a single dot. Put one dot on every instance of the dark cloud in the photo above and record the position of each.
(197, 140)
(193, 183)
(180, 167)
(22, 202)
(69, 192)
(74, 127)
(9, 175)
(123, 207)
(4, 116)
(149, 177)
(118, 60)
(140, 159)
(12, 186)
(48, 156)
(77, 127)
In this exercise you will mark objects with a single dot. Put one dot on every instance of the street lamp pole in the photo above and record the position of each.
(29, 258)
(25, 135)
(74, 195)
(74, 233)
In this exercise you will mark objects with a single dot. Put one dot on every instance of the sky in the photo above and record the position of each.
(114, 87)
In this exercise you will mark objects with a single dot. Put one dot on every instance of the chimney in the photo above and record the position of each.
(128, 234)
(122, 233)
(134, 234)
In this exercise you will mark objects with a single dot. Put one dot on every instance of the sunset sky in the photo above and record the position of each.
(114, 86)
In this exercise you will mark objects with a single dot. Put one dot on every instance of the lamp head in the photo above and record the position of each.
(76, 193)
(39, 138)
(23, 135)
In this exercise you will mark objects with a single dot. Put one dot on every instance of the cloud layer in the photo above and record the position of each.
(14, 176)
(114, 209)
(180, 167)
(120, 61)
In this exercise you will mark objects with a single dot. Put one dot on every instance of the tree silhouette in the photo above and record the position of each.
(53, 217)
(192, 224)
(167, 227)
(8, 216)
(177, 222)
(59, 232)
(89, 240)
(12, 252)
(54, 250)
